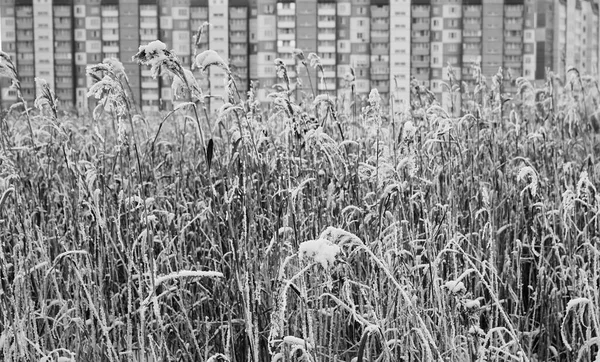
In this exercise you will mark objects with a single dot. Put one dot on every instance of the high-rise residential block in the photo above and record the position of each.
(384, 43)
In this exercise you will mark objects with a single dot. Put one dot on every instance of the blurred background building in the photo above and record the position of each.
(385, 42)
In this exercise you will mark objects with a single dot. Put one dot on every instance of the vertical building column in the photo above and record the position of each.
(93, 44)
(513, 42)
(252, 41)
(493, 36)
(9, 40)
(360, 37)
(400, 53)
(533, 10)
(436, 63)
(267, 41)
(472, 39)
(129, 42)
(326, 45)
(150, 92)
(238, 43)
(286, 36)
(306, 40)
(198, 17)
(420, 41)
(344, 49)
(380, 48)
(219, 42)
(80, 36)
(63, 20)
(43, 41)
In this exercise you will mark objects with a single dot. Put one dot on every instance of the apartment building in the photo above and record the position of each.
(400, 21)
(380, 48)
(306, 40)
(238, 44)
(327, 46)
(513, 43)
(8, 33)
(344, 49)
(385, 42)
(199, 38)
(25, 60)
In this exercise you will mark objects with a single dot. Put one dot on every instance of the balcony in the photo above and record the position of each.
(149, 24)
(325, 36)
(380, 26)
(383, 88)
(512, 26)
(380, 12)
(512, 51)
(238, 50)
(418, 13)
(24, 23)
(290, 24)
(420, 39)
(286, 36)
(237, 26)
(420, 26)
(238, 38)
(326, 11)
(326, 49)
(420, 63)
(329, 24)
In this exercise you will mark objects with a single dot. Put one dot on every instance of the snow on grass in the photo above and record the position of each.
(208, 58)
(153, 46)
(295, 341)
(455, 286)
(188, 274)
(321, 251)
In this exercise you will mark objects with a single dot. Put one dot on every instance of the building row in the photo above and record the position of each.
(385, 42)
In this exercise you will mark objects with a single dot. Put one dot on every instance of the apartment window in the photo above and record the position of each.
(183, 12)
(269, 9)
(359, 35)
(453, 35)
(436, 22)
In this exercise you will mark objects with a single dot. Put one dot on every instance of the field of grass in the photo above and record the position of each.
(316, 231)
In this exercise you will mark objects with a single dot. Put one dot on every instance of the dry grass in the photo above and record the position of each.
(472, 238)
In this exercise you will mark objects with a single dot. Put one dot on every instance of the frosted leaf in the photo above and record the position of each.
(218, 358)
(153, 46)
(340, 236)
(295, 341)
(321, 251)
(374, 97)
(472, 304)
(208, 58)
(577, 301)
(116, 66)
(455, 286)
(533, 184)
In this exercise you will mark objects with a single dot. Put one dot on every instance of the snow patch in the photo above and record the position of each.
(321, 251)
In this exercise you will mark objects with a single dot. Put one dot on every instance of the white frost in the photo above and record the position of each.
(455, 286)
(153, 46)
(187, 273)
(321, 251)
(295, 341)
(577, 301)
(208, 58)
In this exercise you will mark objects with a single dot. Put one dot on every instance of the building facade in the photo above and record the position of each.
(385, 44)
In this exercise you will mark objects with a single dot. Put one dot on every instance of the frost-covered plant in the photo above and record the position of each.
(321, 251)
(46, 97)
